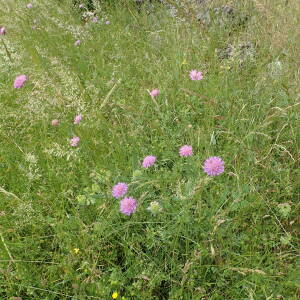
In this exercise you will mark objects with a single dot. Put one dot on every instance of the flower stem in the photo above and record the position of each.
(7, 51)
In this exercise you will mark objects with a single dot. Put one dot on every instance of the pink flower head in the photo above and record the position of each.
(107, 22)
(186, 150)
(154, 93)
(128, 206)
(74, 141)
(149, 161)
(196, 75)
(119, 190)
(95, 19)
(81, 5)
(2, 30)
(55, 122)
(29, 5)
(77, 43)
(77, 119)
(19, 81)
(213, 166)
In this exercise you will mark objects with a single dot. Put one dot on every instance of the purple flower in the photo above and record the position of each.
(55, 122)
(154, 93)
(29, 5)
(2, 30)
(186, 150)
(74, 141)
(148, 161)
(77, 119)
(77, 43)
(19, 81)
(95, 19)
(107, 22)
(128, 206)
(213, 166)
(196, 75)
(119, 190)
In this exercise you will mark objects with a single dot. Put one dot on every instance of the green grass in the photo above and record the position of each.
(234, 236)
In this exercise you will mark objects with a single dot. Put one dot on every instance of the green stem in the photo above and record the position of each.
(7, 52)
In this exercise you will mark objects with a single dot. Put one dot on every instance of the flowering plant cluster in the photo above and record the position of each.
(213, 166)
(91, 16)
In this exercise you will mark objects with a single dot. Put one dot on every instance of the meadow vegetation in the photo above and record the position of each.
(192, 236)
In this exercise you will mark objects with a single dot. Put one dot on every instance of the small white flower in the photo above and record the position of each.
(154, 207)
(30, 158)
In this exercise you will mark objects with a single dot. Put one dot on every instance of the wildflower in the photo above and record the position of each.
(77, 43)
(77, 119)
(31, 158)
(284, 209)
(186, 150)
(119, 190)
(2, 30)
(154, 207)
(148, 161)
(35, 24)
(107, 22)
(128, 206)
(55, 122)
(184, 62)
(213, 166)
(154, 93)
(137, 174)
(196, 75)
(74, 141)
(29, 5)
(19, 81)
(95, 19)
(89, 14)
(115, 295)
(76, 250)
(81, 5)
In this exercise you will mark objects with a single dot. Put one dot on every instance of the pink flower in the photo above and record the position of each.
(186, 150)
(148, 161)
(213, 166)
(74, 141)
(55, 122)
(154, 93)
(2, 30)
(29, 5)
(81, 5)
(107, 22)
(196, 75)
(119, 190)
(77, 119)
(77, 43)
(19, 81)
(95, 19)
(128, 206)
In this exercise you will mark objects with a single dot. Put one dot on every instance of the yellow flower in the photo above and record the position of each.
(184, 62)
(76, 250)
(114, 295)
(225, 67)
